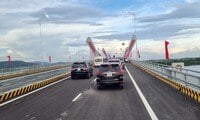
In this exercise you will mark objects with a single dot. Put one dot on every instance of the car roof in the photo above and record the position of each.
(79, 63)
(113, 60)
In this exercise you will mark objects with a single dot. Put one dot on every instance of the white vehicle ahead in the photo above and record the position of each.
(121, 63)
(98, 61)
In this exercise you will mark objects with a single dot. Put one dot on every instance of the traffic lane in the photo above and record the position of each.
(167, 102)
(109, 103)
(47, 103)
(18, 82)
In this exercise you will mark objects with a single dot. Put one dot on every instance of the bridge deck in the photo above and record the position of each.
(56, 102)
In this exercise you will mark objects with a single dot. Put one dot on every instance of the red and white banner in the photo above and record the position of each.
(9, 58)
(49, 58)
(166, 50)
(138, 54)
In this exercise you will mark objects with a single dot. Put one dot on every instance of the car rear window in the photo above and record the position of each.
(77, 65)
(113, 60)
(98, 60)
(111, 67)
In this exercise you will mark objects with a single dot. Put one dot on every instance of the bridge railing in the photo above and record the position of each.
(185, 77)
(19, 82)
(18, 70)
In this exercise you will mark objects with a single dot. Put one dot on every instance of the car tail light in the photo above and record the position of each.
(98, 72)
(119, 72)
(72, 69)
(85, 68)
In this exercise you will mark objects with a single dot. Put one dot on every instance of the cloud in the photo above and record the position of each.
(69, 13)
(19, 29)
(187, 10)
(119, 36)
(75, 44)
(154, 31)
(106, 31)
(150, 55)
(194, 52)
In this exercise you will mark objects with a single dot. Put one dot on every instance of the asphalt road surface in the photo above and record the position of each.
(80, 100)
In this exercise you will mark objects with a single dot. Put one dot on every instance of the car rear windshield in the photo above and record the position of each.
(113, 60)
(77, 65)
(106, 68)
(98, 60)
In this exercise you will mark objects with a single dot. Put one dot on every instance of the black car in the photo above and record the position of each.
(81, 69)
(109, 73)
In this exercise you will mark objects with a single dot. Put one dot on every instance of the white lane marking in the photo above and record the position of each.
(14, 99)
(145, 102)
(76, 97)
(95, 80)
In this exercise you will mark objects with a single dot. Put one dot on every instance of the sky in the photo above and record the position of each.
(66, 24)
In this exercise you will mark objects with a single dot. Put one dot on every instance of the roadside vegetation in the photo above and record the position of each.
(186, 61)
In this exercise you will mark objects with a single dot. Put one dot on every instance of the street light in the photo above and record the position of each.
(123, 44)
(133, 13)
(41, 41)
(78, 47)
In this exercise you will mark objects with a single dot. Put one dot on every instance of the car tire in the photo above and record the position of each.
(88, 75)
(99, 86)
(72, 77)
(91, 74)
(121, 86)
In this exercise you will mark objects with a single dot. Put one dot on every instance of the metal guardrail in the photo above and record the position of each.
(18, 70)
(185, 77)
(19, 82)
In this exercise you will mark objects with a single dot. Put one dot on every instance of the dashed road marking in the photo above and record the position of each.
(76, 98)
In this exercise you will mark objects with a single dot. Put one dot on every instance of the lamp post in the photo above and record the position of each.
(78, 47)
(133, 13)
(123, 49)
(41, 41)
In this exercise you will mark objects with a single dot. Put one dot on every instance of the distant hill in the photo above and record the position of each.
(40, 63)
(13, 64)
(47, 63)
(187, 61)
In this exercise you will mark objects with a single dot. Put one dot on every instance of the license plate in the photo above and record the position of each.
(109, 74)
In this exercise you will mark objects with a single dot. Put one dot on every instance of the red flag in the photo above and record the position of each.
(138, 54)
(166, 50)
(49, 58)
(9, 58)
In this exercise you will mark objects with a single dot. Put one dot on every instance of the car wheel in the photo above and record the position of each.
(91, 74)
(88, 75)
(121, 86)
(99, 86)
(72, 77)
